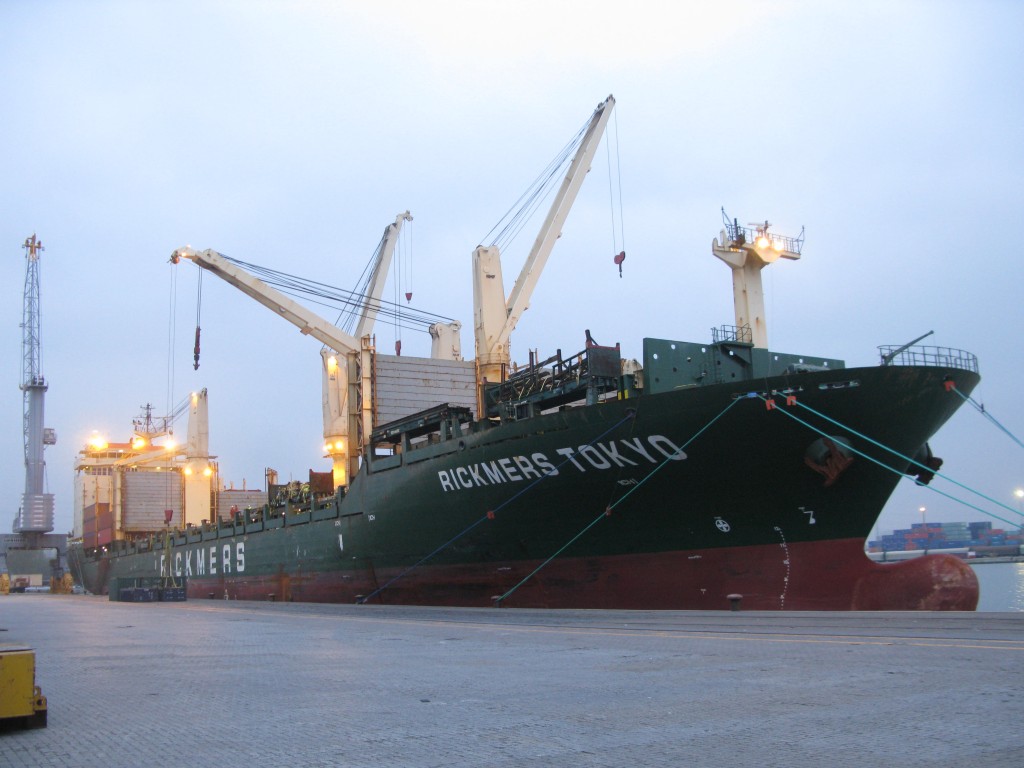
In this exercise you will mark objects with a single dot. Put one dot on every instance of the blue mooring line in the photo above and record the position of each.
(900, 455)
(612, 506)
(981, 409)
(630, 414)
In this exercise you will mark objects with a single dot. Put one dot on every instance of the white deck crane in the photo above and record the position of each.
(445, 341)
(494, 317)
(378, 276)
(347, 401)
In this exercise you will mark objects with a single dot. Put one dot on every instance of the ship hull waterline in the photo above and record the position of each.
(670, 501)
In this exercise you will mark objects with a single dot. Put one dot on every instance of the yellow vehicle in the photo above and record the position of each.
(22, 704)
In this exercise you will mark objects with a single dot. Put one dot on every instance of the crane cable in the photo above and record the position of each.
(620, 253)
(795, 401)
(199, 312)
(325, 295)
(348, 313)
(171, 332)
(540, 189)
(491, 513)
(607, 511)
(397, 300)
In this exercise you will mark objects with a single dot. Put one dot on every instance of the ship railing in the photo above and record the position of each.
(247, 521)
(742, 235)
(544, 384)
(939, 357)
(732, 333)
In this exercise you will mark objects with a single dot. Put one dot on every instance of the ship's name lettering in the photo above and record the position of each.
(207, 560)
(626, 452)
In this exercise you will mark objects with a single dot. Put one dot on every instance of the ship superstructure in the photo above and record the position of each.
(152, 483)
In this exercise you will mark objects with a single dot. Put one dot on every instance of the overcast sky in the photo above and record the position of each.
(288, 134)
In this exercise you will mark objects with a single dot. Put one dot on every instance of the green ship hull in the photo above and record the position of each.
(760, 490)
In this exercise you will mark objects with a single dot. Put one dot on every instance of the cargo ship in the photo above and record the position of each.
(697, 476)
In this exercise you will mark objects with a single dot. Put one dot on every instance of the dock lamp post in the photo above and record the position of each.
(924, 524)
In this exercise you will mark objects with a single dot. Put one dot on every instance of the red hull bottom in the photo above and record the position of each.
(834, 576)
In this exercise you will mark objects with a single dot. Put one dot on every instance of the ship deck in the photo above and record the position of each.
(239, 684)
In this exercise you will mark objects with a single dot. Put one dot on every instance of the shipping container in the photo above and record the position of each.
(408, 385)
(146, 495)
(231, 500)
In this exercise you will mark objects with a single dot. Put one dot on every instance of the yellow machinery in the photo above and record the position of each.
(21, 702)
(62, 586)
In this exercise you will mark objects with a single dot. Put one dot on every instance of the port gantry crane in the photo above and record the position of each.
(33, 523)
(347, 404)
(36, 513)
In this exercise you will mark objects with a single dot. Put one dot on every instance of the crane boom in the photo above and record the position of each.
(551, 230)
(375, 286)
(494, 317)
(344, 379)
(348, 411)
(308, 323)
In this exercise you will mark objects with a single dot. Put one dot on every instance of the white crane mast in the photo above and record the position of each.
(378, 276)
(36, 512)
(445, 341)
(494, 317)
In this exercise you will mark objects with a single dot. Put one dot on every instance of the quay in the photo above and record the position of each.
(226, 683)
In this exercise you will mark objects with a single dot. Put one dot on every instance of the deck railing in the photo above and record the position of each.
(940, 357)
(738, 234)
(727, 333)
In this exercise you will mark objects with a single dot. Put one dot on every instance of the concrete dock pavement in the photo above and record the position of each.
(224, 683)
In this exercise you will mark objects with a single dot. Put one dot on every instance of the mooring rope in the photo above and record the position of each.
(489, 515)
(608, 510)
(896, 453)
(907, 458)
(981, 409)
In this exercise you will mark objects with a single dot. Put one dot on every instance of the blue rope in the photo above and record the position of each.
(912, 461)
(630, 414)
(981, 409)
(612, 506)
(895, 471)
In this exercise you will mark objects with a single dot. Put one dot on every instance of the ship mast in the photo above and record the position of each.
(748, 250)
(36, 513)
